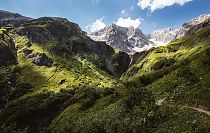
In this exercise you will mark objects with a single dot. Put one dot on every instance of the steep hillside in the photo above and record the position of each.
(178, 76)
(59, 80)
(66, 68)
(178, 72)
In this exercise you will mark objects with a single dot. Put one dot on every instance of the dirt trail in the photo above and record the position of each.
(199, 110)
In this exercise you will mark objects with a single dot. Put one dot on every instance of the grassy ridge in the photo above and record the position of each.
(178, 72)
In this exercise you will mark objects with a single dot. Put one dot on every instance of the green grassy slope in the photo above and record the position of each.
(177, 75)
(53, 86)
(179, 72)
(77, 95)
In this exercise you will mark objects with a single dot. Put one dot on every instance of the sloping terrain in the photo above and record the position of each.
(54, 70)
(61, 81)
(179, 72)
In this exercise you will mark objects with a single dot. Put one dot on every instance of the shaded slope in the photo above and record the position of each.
(76, 93)
(78, 74)
(178, 72)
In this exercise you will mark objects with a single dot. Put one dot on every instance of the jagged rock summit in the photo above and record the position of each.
(163, 36)
(167, 35)
(126, 39)
(133, 40)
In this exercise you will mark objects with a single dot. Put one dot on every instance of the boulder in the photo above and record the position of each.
(27, 52)
(41, 59)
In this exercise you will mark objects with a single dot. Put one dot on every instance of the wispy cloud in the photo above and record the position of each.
(153, 5)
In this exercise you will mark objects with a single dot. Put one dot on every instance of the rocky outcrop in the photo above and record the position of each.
(35, 34)
(119, 63)
(8, 53)
(111, 62)
(41, 59)
(27, 51)
(7, 56)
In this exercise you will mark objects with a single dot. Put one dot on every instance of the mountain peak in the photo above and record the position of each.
(166, 35)
(196, 20)
(125, 39)
(133, 40)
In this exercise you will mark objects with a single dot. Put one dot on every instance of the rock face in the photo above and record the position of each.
(35, 34)
(132, 40)
(12, 19)
(41, 59)
(182, 31)
(125, 39)
(8, 53)
(44, 29)
(119, 63)
(111, 62)
(165, 36)
(198, 27)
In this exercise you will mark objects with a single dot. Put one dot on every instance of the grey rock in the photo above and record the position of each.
(8, 55)
(168, 35)
(41, 59)
(35, 34)
(27, 51)
(12, 19)
(124, 39)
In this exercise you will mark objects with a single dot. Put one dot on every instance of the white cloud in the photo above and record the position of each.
(153, 5)
(128, 22)
(97, 25)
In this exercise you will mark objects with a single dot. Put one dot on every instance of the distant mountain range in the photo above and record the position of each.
(133, 40)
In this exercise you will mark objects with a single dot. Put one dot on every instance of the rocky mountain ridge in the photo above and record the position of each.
(12, 19)
(167, 35)
(125, 39)
(132, 40)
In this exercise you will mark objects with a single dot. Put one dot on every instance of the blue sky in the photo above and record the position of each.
(149, 15)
